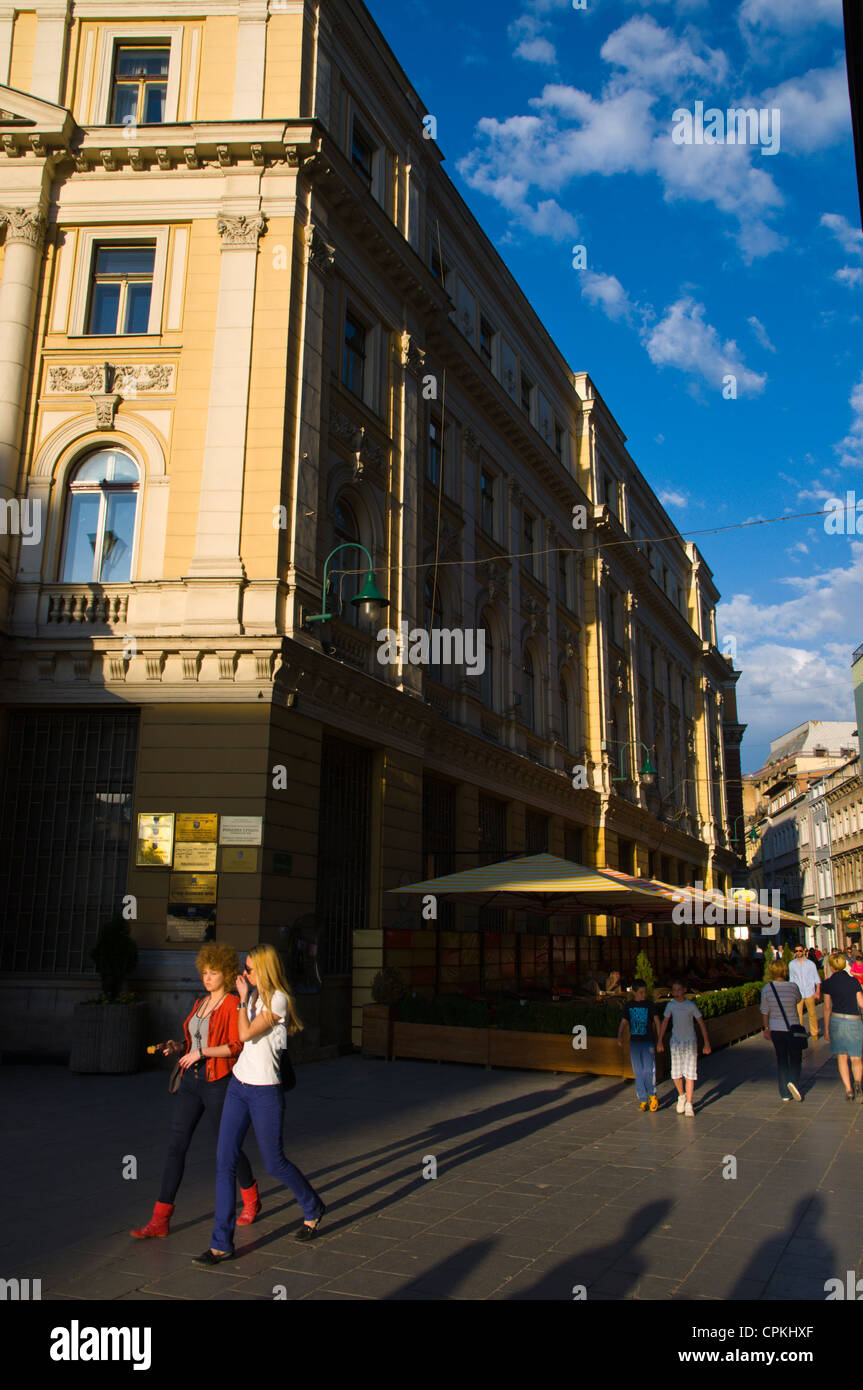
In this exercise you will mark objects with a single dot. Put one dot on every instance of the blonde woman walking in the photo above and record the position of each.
(843, 1028)
(255, 1097)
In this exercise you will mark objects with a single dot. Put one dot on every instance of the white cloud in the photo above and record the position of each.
(850, 449)
(683, 339)
(814, 108)
(608, 293)
(804, 674)
(669, 498)
(657, 58)
(761, 333)
(850, 238)
(850, 275)
(789, 16)
(572, 134)
(537, 50)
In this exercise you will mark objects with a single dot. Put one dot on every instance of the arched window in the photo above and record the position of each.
(100, 520)
(432, 617)
(343, 585)
(564, 715)
(528, 700)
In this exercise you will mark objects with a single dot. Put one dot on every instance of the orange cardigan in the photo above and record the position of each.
(222, 1031)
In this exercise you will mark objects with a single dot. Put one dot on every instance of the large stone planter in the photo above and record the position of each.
(107, 1038)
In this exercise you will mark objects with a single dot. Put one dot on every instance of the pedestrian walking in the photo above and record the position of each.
(779, 999)
(843, 1026)
(639, 1015)
(682, 1013)
(212, 1047)
(804, 975)
(855, 965)
(255, 1097)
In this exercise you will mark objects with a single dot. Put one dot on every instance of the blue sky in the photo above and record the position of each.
(703, 261)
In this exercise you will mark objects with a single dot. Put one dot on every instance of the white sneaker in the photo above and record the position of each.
(681, 1101)
(688, 1110)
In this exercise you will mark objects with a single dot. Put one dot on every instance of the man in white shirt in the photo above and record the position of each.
(804, 974)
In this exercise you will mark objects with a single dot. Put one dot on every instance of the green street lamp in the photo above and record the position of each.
(647, 772)
(370, 601)
(752, 833)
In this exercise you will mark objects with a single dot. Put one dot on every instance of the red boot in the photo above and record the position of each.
(251, 1205)
(159, 1223)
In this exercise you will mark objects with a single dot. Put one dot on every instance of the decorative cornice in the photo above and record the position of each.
(240, 232)
(129, 379)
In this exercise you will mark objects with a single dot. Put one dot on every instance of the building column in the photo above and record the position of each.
(25, 233)
(217, 551)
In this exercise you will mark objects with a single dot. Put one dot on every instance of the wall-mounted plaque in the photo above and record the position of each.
(191, 921)
(241, 830)
(239, 861)
(193, 888)
(197, 829)
(191, 858)
(155, 840)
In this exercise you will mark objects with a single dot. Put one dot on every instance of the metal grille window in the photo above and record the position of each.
(343, 851)
(65, 826)
(535, 833)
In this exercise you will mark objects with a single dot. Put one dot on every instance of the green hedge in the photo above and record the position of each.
(600, 1020)
(728, 1001)
(451, 1011)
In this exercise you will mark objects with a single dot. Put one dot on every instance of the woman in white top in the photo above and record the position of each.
(255, 1097)
(780, 994)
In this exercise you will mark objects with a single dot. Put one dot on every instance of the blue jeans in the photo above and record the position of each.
(263, 1107)
(643, 1060)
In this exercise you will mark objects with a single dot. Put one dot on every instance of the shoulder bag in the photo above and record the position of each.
(796, 1031)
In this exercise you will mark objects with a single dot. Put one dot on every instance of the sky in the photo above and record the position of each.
(720, 306)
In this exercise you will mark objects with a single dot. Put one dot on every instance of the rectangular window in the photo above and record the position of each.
(526, 394)
(528, 542)
(354, 355)
(121, 289)
(558, 440)
(139, 84)
(362, 154)
(486, 342)
(433, 456)
(563, 578)
(487, 503)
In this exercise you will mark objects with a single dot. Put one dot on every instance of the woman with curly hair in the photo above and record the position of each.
(212, 1048)
(255, 1097)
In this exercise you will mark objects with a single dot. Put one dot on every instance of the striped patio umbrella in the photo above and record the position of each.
(546, 884)
(736, 911)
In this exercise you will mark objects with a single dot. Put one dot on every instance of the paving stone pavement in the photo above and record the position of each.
(546, 1184)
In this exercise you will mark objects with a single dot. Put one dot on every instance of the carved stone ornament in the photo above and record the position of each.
(496, 576)
(447, 546)
(366, 452)
(319, 253)
(569, 643)
(631, 602)
(106, 408)
(131, 379)
(240, 232)
(471, 443)
(536, 613)
(620, 677)
(515, 493)
(24, 224)
(412, 357)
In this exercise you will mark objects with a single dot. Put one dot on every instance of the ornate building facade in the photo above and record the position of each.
(245, 320)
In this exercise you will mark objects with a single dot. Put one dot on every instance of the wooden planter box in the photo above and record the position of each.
(378, 1030)
(730, 1028)
(441, 1044)
(555, 1052)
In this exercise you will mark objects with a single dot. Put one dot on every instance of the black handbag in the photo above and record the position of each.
(287, 1075)
(798, 1034)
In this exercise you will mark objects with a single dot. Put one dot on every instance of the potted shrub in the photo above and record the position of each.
(388, 987)
(108, 1031)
